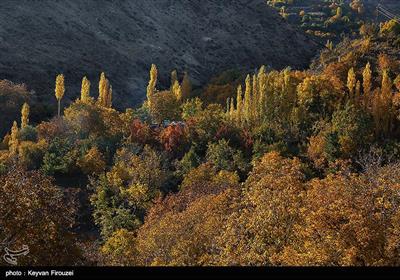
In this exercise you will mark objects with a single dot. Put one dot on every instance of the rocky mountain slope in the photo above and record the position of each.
(40, 38)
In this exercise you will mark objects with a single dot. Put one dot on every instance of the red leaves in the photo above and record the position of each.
(174, 138)
(141, 133)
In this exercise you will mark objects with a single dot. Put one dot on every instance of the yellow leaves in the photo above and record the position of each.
(344, 221)
(37, 207)
(270, 205)
(105, 92)
(85, 90)
(137, 194)
(177, 91)
(93, 162)
(119, 248)
(151, 88)
(14, 141)
(60, 87)
(59, 91)
(316, 150)
(351, 82)
(239, 105)
(24, 115)
(185, 236)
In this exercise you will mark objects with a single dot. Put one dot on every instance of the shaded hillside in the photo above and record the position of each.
(39, 39)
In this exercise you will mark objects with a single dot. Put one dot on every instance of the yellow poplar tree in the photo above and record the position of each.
(262, 89)
(351, 82)
(105, 92)
(109, 97)
(186, 86)
(247, 99)
(151, 88)
(59, 91)
(14, 142)
(239, 105)
(232, 110)
(103, 87)
(367, 84)
(386, 97)
(228, 106)
(85, 90)
(24, 116)
(177, 90)
(174, 77)
(387, 85)
(254, 104)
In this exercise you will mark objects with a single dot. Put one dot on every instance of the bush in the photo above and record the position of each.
(28, 133)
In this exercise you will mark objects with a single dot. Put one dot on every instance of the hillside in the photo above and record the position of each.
(39, 39)
(330, 20)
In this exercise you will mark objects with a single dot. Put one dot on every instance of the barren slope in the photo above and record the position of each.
(40, 38)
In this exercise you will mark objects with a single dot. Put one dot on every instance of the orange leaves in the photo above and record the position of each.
(269, 207)
(93, 162)
(37, 214)
(347, 220)
(140, 132)
(174, 138)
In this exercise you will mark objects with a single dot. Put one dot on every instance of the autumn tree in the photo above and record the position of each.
(151, 88)
(35, 213)
(59, 91)
(191, 107)
(24, 116)
(164, 106)
(186, 86)
(14, 141)
(367, 84)
(12, 98)
(174, 139)
(85, 90)
(239, 106)
(206, 200)
(386, 102)
(122, 195)
(247, 99)
(347, 220)
(224, 157)
(92, 162)
(174, 78)
(351, 82)
(269, 211)
(119, 249)
(177, 91)
(141, 133)
(105, 92)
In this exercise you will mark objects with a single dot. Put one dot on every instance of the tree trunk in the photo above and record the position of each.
(59, 107)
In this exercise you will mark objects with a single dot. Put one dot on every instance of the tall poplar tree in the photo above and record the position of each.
(177, 90)
(24, 116)
(186, 86)
(14, 142)
(103, 88)
(351, 82)
(59, 91)
(239, 105)
(85, 90)
(367, 84)
(174, 77)
(151, 88)
(232, 110)
(247, 99)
